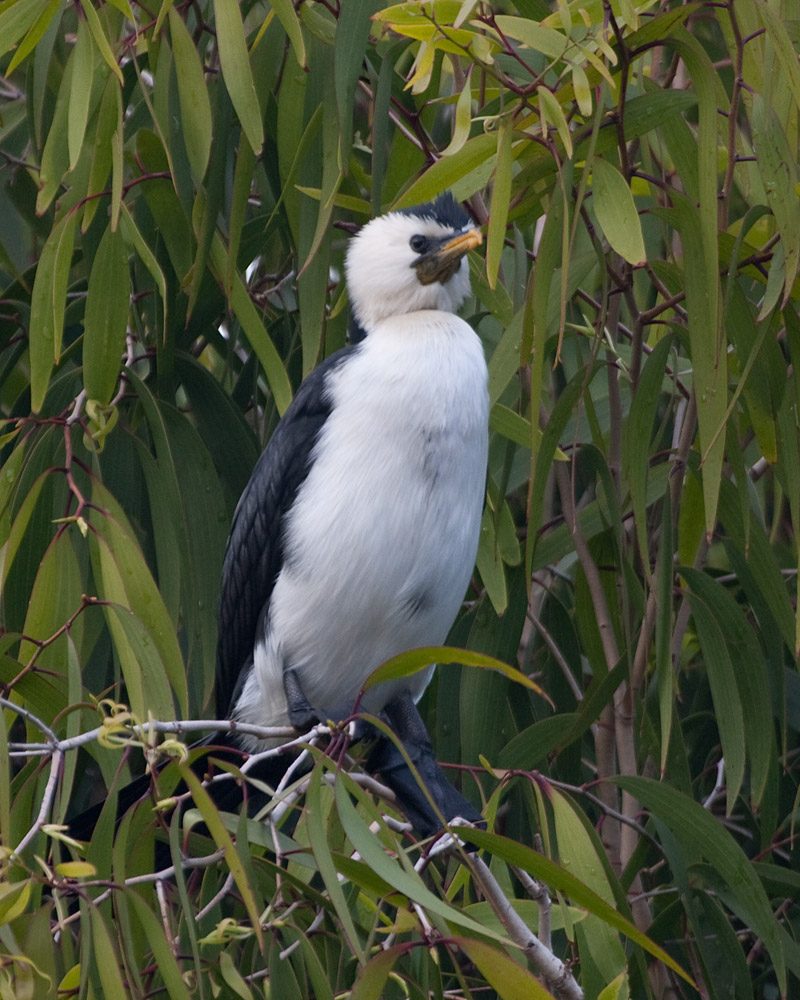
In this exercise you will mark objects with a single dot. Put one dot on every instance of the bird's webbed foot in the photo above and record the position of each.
(389, 762)
(301, 712)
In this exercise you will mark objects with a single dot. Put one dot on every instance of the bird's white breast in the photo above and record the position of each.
(381, 540)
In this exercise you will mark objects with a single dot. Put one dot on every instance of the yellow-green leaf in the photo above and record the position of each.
(193, 96)
(47, 306)
(501, 198)
(80, 91)
(236, 72)
(615, 209)
(106, 318)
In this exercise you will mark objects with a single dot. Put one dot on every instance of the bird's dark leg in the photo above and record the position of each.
(301, 713)
(389, 762)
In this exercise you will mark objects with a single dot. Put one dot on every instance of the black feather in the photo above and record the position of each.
(254, 553)
(445, 210)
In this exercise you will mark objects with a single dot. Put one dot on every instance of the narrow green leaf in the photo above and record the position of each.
(222, 839)
(749, 668)
(105, 958)
(727, 707)
(548, 41)
(501, 197)
(80, 91)
(352, 35)
(490, 565)
(372, 978)
(406, 664)
(698, 831)
(503, 974)
(242, 181)
(47, 306)
(638, 437)
(407, 882)
(663, 630)
(236, 72)
(615, 209)
(660, 27)
(708, 355)
(558, 878)
(193, 96)
(106, 317)
(109, 118)
(16, 20)
(462, 120)
(551, 113)
(779, 175)
(35, 34)
(135, 240)
(476, 155)
(785, 50)
(247, 315)
(140, 592)
(168, 968)
(101, 41)
(315, 825)
(287, 15)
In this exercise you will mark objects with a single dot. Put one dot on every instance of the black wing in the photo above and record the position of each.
(254, 553)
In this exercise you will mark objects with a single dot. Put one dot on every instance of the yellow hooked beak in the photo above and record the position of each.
(441, 263)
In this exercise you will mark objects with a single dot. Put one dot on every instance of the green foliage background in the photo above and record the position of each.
(171, 268)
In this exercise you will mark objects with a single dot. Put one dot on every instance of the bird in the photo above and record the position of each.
(356, 536)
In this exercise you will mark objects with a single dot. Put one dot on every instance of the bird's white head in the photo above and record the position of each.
(410, 260)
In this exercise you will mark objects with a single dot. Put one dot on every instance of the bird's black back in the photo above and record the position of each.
(254, 552)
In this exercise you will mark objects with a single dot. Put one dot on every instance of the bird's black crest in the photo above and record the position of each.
(444, 209)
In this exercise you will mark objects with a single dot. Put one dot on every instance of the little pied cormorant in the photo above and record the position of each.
(356, 536)
(357, 533)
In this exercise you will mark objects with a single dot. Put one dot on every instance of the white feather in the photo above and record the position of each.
(382, 538)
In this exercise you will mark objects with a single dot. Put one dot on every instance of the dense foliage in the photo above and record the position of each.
(170, 266)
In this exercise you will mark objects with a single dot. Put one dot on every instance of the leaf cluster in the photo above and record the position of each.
(175, 180)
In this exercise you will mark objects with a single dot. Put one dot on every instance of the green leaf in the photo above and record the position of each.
(193, 96)
(551, 113)
(747, 666)
(287, 15)
(558, 878)
(352, 35)
(406, 664)
(37, 31)
(698, 831)
(222, 839)
(15, 21)
(80, 91)
(109, 119)
(236, 72)
(47, 306)
(548, 41)
(474, 160)
(101, 41)
(615, 209)
(247, 315)
(462, 120)
(638, 438)
(779, 175)
(135, 240)
(105, 958)
(501, 197)
(503, 974)
(106, 317)
(372, 978)
(315, 825)
(168, 967)
(139, 591)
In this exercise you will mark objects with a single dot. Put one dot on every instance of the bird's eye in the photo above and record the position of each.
(418, 243)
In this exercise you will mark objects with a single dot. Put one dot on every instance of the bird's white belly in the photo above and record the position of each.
(381, 541)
